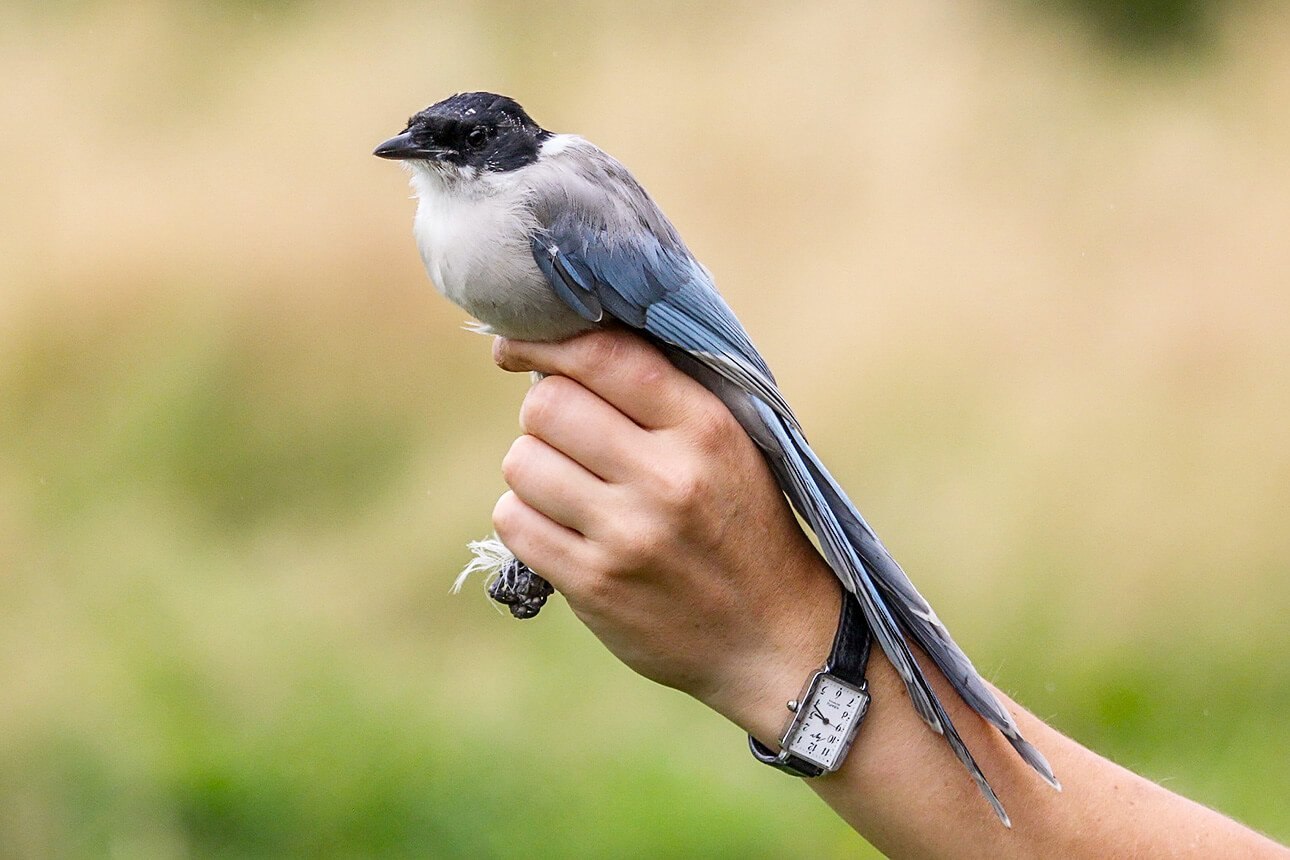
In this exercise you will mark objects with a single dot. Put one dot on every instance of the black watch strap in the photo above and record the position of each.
(847, 662)
(850, 655)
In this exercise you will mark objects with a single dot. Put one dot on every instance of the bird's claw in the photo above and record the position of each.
(520, 589)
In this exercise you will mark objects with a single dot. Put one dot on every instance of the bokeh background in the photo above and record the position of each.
(1022, 267)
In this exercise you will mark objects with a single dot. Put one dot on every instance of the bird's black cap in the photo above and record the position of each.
(481, 130)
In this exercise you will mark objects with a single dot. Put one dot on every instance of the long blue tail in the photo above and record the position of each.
(891, 604)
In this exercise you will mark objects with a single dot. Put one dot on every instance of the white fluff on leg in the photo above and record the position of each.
(490, 556)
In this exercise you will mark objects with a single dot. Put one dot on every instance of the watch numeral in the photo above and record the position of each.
(838, 693)
(833, 739)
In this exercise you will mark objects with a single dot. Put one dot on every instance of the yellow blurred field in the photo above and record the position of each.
(1030, 296)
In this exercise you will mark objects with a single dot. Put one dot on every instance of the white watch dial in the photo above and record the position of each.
(825, 721)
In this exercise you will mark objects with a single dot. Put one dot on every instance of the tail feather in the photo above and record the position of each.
(842, 558)
(798, 480)
(919, 619)
(892, 607)
(891, 604)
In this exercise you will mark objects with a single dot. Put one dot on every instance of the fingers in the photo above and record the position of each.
(548, 548)
(571, 419)
(623, 369)
(552, 484)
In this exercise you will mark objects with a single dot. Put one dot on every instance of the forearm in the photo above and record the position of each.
(905, 792)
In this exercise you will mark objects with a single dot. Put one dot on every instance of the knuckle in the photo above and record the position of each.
(649, 372)
(601, 348)
(598, 587)
(712, 427)
(600, 562)
(636, 547)
(540, 404)
(682, 488)
(505, 513)
(517, 458)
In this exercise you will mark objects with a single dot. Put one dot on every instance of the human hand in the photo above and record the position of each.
(638, 495)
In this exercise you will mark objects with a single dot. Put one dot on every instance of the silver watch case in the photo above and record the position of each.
(797, 706)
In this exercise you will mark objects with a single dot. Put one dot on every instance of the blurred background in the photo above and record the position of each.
(1038, 252)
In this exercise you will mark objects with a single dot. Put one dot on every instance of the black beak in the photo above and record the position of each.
(402, 148)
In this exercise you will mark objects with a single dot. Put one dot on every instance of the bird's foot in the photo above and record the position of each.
(520, 589)
(510, 581)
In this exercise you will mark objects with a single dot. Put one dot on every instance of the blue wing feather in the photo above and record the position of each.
(662, 291)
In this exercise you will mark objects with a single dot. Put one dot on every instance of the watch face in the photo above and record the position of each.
(826, 720)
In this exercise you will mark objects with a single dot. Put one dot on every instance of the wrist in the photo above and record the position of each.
(795, 635)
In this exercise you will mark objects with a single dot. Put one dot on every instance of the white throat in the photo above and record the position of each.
(473, 232)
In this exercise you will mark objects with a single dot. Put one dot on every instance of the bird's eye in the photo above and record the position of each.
(477, 136)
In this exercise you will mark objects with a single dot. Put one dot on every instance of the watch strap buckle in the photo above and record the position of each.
(783, 760)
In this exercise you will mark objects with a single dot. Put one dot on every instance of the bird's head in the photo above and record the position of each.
(468, 134)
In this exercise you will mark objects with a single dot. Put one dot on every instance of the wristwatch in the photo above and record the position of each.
(828, 713)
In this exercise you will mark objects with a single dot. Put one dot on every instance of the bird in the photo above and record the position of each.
(542, 236)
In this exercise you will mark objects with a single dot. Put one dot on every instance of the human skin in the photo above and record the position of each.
(637, 494)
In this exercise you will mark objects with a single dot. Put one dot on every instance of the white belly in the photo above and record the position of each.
(476, 250)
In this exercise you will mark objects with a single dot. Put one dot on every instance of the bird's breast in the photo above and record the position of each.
(476, 250)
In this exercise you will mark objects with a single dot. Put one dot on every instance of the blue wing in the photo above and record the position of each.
(655, 285)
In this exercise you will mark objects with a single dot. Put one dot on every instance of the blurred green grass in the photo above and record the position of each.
(242, 445)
